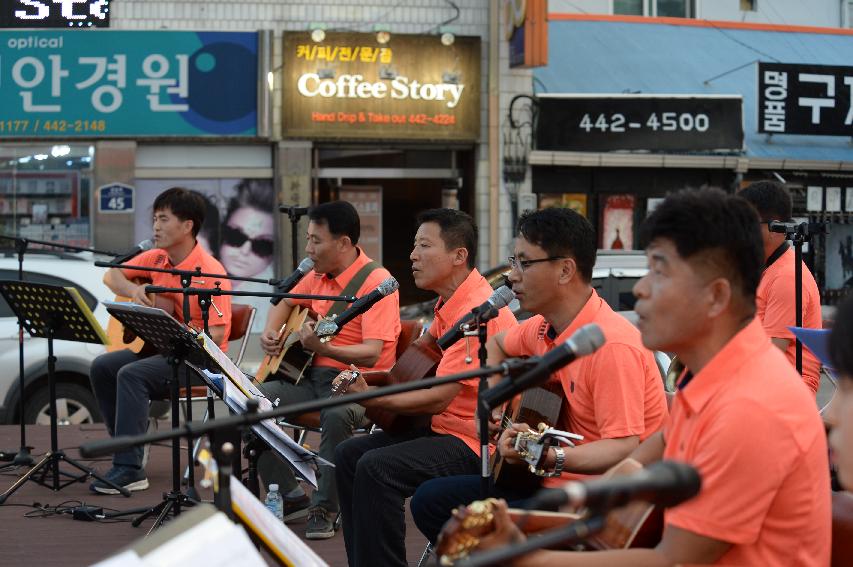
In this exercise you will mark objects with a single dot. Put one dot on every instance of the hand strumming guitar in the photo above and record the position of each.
(271, 342)
(140, 297)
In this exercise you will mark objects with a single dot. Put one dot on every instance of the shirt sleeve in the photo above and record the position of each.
(618, 390)
(726, 459)
(779, 311)
(145, 260)
(382, 321)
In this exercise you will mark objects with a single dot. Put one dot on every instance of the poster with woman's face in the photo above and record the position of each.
(239, 227)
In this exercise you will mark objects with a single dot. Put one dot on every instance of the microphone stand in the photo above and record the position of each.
(194, 273)
(293, 213)
(220, 428)
(575, 532)
(483, 413)
(23, 458)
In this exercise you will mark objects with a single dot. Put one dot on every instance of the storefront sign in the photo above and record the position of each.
(805, 99)
(639, 122)
(115, 198)
(526, 29)
(55, 13)
(350, 86)
(128, 83)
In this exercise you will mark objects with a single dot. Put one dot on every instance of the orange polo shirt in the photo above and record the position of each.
(198, 258)
(776, 308)
(381, 321)
(615, 392)
(752, 430)
(458, 417)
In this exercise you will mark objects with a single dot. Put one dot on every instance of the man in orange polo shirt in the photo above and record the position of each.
(741, 416)
(369, 341)
(613, 397)
(776, 295)
(125, 382)
(377, 472)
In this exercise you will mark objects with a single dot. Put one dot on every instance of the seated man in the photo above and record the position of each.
(369, 341)
(775, 299)
(613, 397)
(741, 415)
(125, 382)
(376, 473)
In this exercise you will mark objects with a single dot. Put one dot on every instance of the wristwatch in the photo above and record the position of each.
(558, 465)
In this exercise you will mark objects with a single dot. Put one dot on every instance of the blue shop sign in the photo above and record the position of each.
(108, 83)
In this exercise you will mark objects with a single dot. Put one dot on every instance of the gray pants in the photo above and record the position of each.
(337, 425)
(124, 384)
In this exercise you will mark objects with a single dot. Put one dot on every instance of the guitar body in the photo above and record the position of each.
(293, 360)
(535, 406)
(639, 524)
(419, 360)
(121, 338)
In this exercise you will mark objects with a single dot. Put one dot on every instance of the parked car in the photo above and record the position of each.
(75, 400)
(613, 277)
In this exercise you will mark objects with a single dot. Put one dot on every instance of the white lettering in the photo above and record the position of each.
(354, 86)
(42, 13)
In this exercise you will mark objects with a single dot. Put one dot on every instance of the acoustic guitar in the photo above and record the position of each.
(292, 356)
(639, 524)
(418, 361)
(123, 338)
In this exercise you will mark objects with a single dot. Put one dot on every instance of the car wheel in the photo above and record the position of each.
(74, 405)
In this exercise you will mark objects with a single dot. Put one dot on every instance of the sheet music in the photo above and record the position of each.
(278, 536)
(297, 455)
(215, 542)
(231, 370)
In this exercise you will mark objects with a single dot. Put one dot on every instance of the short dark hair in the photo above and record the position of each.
(770, 199)
(254, 193)
(457, 230)
(841, 339)
(562, 232)
(721, 227)
(340, 217)
(184, 204)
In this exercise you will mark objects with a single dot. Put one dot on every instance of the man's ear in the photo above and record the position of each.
(568, 270)
(719, 296)
(460, 257)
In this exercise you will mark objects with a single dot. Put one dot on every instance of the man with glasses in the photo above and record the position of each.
(776, 296)
(613, 397)
(369, 341)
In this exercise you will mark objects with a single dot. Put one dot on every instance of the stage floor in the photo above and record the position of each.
(32, 536)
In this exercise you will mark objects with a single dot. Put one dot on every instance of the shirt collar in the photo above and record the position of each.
(723, 367)
(587, 314)
(344, 277)
(448, 312)
(190, 263)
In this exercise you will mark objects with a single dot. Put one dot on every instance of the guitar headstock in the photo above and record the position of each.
(340, 388)
(462, 532)
(325, 329)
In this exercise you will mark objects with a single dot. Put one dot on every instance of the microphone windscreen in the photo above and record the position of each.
(502, 296)
(306, 265)
(586, 340)
(388, 286)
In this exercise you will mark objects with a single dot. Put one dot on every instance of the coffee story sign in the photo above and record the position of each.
(350, 87)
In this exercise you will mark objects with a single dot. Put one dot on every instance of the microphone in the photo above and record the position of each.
(134, 252)
(328, 329)
(485, 312)
(664, 483)
(584, 341)
(285, 285)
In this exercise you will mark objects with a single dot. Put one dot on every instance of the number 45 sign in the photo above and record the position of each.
(115, 198)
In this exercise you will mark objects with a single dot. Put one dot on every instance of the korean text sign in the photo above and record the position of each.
(411, 87)
(805, 99)
(100, 83)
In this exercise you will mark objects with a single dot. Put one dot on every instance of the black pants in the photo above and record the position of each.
(124, 384)
(375, 475)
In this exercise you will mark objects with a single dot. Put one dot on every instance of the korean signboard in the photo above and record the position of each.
(805, 99)
(102, 83)
(639, 122)
(350, 86)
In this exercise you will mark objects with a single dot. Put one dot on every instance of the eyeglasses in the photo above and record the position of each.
(521, 265)
(233, 236)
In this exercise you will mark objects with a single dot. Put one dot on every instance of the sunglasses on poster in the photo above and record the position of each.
(233, 236)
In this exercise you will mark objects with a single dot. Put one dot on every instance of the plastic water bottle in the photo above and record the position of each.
(274, 502)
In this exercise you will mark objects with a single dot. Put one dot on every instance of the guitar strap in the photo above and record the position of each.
(354, 284)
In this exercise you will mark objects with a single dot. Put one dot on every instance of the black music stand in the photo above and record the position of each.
(53, 312)
(176, 343)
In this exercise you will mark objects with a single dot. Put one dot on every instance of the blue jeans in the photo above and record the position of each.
(434, 501)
